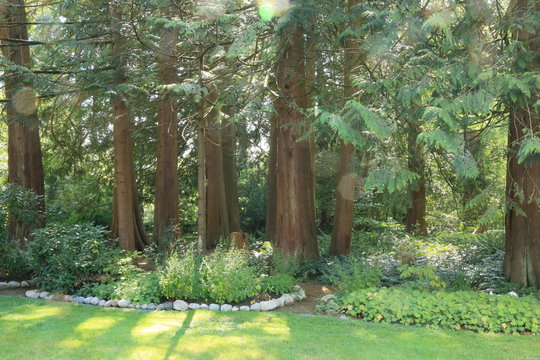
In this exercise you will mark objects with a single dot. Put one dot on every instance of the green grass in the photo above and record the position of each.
(34, 329)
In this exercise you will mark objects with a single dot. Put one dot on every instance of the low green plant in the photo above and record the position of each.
(351, 274)
(227, 277)
(180, 276)
(63, 258)
(422, 277)
(281, 283)
(140, 288)
(460, 310)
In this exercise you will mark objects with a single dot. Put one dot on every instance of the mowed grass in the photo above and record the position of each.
(36, 329)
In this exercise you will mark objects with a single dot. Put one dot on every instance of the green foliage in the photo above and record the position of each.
(23, 203)
(281, 283)
(422, 277)
(461, 310)
(350, 274)
(226, 276)
(63, 258)
(139, 288)
(180, 276)
(13, 262)
(529, 150)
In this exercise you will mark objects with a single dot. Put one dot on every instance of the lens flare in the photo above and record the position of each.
(25, 101)
(272, 8)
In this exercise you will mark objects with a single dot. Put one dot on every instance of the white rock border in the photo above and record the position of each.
(298, 294)
(15, 284)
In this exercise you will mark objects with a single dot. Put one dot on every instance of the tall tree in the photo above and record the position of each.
(127, 223)
(25, 167)
(522, 225)
(415, 218)
(345, 192)
(166, 201)
(217, 220)
(295, 208)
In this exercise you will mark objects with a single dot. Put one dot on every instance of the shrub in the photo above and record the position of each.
(227, 276)
(282, 283)
(350, 274)
(422, 277)
(180, 277)
(465, 310)
(140, 288)
(13, 262)
(64, 258)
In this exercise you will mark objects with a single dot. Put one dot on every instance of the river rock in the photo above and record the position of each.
(287, 299)
(180, 305)
(4, 285)
(194, 306)
(255, 307)
(226, 307)
(44, 295)
(204, 307)
(14, 284)
(124, 303)
(244, 308)
(94, 301)
(268, 305)
(213, 307)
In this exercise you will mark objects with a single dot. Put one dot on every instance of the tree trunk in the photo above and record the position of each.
(415, 219)
(295, 225)
(271, 197)
(345, 192)
(127, 221)
(217, 218)
(166, 202)
(522, 223)
(25, 167)
(201, 174)
(228, 142)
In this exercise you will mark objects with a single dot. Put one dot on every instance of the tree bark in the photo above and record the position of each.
(25, 167)
(295, 225)
(217, 221)
(166, 210)
(415, 218)
(228, 142)
(522, 223)
(127, 221)
(345, 192)
(271, 197)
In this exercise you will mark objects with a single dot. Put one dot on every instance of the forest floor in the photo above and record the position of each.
(37, 329)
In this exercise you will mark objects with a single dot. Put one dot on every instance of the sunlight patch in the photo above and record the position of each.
(97, 323)
(34, 315)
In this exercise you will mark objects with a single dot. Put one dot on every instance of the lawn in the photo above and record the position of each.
(34, 329)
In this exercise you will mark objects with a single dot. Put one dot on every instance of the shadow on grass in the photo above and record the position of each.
(174, 341)
(43, 330)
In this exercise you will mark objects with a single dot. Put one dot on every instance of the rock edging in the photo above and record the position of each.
(298, 294)
(15, 284)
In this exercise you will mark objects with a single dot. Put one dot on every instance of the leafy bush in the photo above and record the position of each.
(350, 274)
(227, 276)
(64, 258)
(422, 277)
(13, 262)
(180, 277)
(465, 310)
(282, 283)
(140, 288)
(23, 203)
